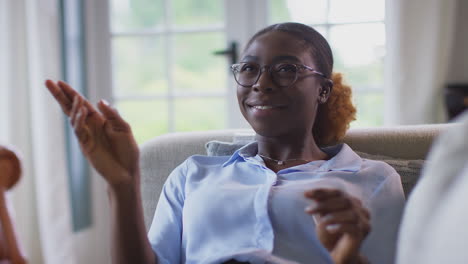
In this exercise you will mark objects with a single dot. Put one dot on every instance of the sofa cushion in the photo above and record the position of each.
(162, 154)
(409, 170)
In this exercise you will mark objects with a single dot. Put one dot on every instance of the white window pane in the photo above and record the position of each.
(136, 14)
(196, 69)
(370, 107)
(197, 13)
(359, 52)
(147, 118)
(139, 65)
(342, 11)
(193, 114)
(303, 11)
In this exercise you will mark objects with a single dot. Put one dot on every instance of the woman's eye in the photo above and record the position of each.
(248, 68)
(286, 68)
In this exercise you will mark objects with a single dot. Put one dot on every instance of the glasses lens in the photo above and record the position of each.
(284, 74)
(246, 74)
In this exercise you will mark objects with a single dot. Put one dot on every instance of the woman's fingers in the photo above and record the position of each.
(64, 94)
(322, 193)
(366, 212)
(336, 210)
(64, 101)
(354, 216)
(328, 200)
(352, 220)
(74, 110)
(81, 130)
(342, 222)
(82, 115)
(342, 228)
(78, 115)
(115, 120)
(333, 209)
(346, 216)
(71, 93)
(67, 89)
(329, 205)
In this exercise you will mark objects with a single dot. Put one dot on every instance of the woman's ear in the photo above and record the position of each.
(324, 93)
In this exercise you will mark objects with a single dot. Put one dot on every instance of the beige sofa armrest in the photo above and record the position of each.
(404, 142)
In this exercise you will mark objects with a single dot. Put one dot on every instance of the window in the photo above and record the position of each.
(165, 76)
(357, 38)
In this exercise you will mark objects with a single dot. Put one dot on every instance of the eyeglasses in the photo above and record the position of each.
(247, 74)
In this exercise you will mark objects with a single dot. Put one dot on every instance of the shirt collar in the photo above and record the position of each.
(247, 151)
(343, 157)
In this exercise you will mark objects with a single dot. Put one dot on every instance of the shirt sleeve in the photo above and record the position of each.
(165, 233)
(386, 207)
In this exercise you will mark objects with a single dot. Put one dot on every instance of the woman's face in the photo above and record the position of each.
(272, 110)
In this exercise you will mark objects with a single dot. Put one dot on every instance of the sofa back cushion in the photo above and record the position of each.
(162, 154)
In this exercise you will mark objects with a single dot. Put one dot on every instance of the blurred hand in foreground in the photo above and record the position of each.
(342, 223)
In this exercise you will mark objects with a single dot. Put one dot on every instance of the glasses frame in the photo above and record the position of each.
(235, 69)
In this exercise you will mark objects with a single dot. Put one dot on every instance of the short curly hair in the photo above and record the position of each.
(334, 116)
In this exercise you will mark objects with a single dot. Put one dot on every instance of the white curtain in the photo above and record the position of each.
(420, 36)
(32, 122)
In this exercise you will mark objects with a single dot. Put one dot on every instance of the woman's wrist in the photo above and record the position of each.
(357, 259)
(362, 260)
(124, 191)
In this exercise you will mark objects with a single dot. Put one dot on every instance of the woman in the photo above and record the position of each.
(281, 199)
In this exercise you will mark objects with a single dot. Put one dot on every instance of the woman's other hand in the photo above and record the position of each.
(105, 138)
(342, 223)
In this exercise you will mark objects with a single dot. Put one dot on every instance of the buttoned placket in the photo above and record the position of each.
(272, 180)
(265, 235)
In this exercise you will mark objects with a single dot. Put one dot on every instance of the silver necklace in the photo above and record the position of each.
(281, 162)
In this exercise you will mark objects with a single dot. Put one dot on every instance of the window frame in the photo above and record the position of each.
(242, 19)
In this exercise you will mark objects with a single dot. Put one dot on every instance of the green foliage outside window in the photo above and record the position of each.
(140, 67)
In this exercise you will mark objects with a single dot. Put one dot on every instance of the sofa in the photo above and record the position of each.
(403, 147)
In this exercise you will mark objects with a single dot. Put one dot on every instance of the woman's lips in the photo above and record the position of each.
(265, 109)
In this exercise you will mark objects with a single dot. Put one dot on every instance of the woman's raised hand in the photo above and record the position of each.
(342, 223)
(105, 138)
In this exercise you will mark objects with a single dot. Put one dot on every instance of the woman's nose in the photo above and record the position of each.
(264, 83)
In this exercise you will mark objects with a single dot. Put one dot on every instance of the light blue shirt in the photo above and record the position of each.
(213, 209)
